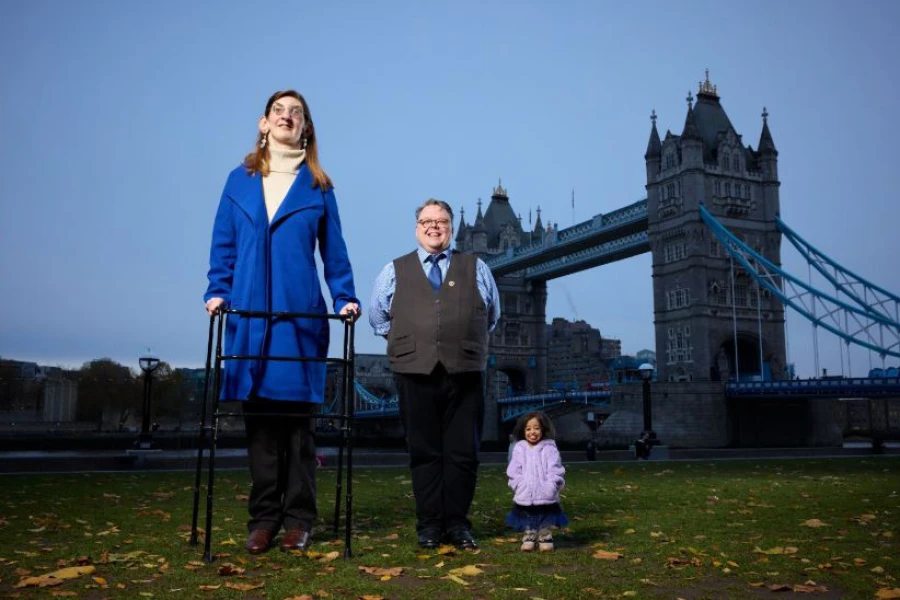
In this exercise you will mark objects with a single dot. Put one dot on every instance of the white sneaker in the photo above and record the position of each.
(545, 540)
(528, 541)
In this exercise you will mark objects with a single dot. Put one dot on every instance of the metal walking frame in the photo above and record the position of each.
(209, 432)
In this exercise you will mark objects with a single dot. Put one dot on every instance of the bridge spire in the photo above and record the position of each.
(461, 232)
(654, 146)
(707, 88)
(766, 143)
(690, 131)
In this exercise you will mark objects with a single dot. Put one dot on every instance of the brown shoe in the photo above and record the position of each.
(295, 539)
(259, 541)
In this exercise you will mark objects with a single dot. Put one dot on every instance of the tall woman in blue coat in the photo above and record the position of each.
(275, 208)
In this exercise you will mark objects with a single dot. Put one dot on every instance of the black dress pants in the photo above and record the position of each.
(442, 415)
(282, 453)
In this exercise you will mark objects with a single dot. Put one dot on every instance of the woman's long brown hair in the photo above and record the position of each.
(258, 160)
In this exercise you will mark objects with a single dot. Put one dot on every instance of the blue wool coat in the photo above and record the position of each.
(258, 265)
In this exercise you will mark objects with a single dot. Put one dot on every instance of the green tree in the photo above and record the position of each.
(107, 391)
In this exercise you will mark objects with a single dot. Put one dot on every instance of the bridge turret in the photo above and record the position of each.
(653, 156)
(461, 231)
(479, 233)
(691, 141)
(768, 155)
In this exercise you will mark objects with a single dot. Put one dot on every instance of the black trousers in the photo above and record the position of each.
(282, 453)
(442, 415)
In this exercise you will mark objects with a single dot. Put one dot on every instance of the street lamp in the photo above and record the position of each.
(648, 437)
(148, 365)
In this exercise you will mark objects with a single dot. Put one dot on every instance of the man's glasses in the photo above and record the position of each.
(436, 223)
(295, 111)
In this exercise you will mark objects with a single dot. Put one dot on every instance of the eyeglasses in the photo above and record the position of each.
(295, 111)
(436, 223)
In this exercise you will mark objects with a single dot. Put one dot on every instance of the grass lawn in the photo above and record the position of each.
(730, 529)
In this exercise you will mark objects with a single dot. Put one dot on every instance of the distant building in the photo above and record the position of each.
(647, 356)
(576, 354)
(33, 392)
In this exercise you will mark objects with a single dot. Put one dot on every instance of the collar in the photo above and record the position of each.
(423, 254)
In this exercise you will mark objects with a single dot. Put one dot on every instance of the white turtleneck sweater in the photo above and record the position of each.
(283, 168)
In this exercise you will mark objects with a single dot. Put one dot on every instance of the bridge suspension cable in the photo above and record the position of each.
(866, 294)
(865, 327)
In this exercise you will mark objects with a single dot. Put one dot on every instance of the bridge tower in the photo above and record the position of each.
(518, 346)
(709, 318)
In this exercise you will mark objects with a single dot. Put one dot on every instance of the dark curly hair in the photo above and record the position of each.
(548, 431)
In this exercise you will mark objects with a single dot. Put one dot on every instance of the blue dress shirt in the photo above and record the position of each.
(386, 282)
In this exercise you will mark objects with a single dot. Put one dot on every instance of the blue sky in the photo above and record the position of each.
(120, 121)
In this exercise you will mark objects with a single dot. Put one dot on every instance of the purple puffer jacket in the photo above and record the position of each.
(536, 474)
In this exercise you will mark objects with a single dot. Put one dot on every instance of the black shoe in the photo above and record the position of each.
(429, 538)
(462, 538)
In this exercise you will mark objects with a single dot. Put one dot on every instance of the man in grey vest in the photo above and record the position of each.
(436, 308)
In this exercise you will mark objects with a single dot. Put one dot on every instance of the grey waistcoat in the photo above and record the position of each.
(448, 327)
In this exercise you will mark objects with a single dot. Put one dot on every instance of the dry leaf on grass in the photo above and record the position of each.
(381, 572)
(887, 593)
(777, 550)
(56, 577)
(227, 569)
(244, 587)
(814, 523)
(468, 570)
(604, 555)
(457, 579)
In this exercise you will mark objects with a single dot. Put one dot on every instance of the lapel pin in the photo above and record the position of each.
(451, 283)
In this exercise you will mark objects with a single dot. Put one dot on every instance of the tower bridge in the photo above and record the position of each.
(710, 221)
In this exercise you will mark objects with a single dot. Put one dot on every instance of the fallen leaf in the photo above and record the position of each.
(887, 593)
(604, 555)
(815, 523)
(468, 570)
(379, 571)
(244, 587)
(227, 569)
(457, 579)
(777, 550)
(56, 577)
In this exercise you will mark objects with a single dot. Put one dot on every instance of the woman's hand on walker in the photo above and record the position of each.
(214, 304)
(352, 309)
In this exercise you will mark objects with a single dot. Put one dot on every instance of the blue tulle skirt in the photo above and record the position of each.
(540, 516)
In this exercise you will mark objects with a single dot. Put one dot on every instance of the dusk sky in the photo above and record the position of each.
(121, 120)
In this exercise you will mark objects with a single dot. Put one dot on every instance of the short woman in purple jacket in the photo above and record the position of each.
(536, 476)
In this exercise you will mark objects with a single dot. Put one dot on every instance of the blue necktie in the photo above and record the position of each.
(434, 275)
